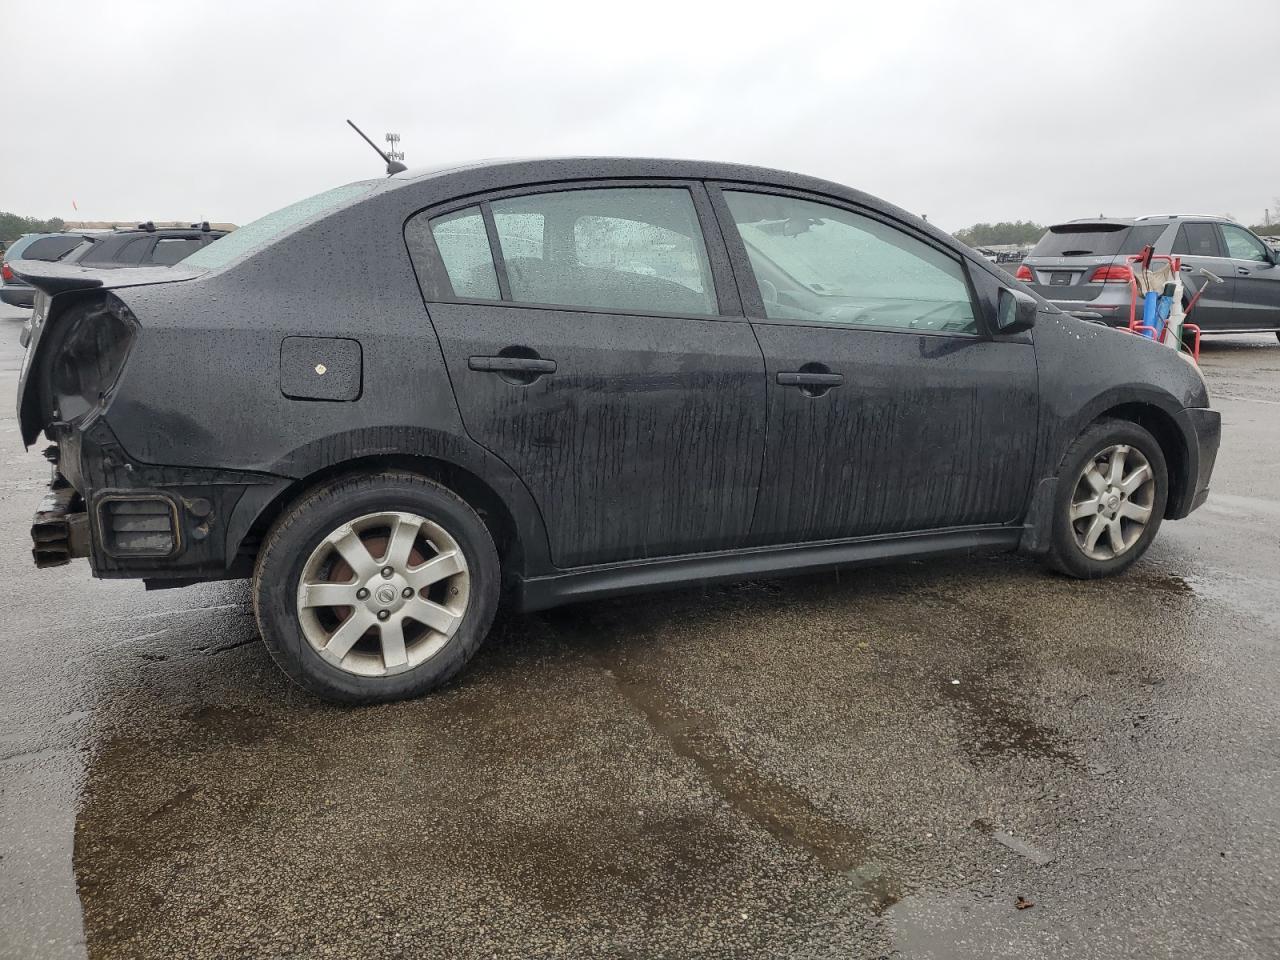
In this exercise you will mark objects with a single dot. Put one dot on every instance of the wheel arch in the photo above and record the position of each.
(1173, 444)
(516, 537)
(1169, 432)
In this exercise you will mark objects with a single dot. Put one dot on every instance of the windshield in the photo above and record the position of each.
(262, 231)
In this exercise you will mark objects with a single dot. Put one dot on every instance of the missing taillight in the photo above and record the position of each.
(90, 354)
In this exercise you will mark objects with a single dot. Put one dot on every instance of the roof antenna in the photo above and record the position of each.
(393, 166)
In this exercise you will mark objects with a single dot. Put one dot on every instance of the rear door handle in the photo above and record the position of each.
(799, 379)
(512, 365)
(1243, 271)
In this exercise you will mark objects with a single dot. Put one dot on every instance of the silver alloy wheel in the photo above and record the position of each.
(1112, 501)
(383, 593)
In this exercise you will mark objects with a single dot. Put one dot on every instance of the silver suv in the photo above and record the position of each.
(1081, 267)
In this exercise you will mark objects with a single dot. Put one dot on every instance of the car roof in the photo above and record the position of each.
(1095, 221)
(160, 232)
(1147, 218)
(456, 181)
(1217, 218)
(568, 167)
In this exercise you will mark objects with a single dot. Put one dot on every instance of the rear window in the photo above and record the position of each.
(264, 230)
(1083, 240)
(51, 248)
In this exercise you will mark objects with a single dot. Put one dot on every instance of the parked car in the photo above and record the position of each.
(576, 378)
(32, 246)
(145, 245)
(1080, 266)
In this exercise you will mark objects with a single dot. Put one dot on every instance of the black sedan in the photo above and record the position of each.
(396, 401)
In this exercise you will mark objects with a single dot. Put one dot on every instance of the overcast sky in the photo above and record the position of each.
(1037, 110)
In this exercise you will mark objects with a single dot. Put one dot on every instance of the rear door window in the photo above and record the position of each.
(1197, 240)
(463, 245)
(632, 249)
(131, 253)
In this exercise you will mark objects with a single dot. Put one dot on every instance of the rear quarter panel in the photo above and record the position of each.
(202, 386)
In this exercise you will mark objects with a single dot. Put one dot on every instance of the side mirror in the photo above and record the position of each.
(1015, 311)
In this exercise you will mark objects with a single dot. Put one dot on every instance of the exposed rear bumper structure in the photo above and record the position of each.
(60, 527)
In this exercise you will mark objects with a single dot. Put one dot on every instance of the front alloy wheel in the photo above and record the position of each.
(1112, 487)
(1112, 502)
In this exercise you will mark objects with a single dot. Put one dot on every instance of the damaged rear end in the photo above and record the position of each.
(80, 339)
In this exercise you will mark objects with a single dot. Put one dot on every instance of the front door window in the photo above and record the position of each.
(820, 263)
(1243, 245)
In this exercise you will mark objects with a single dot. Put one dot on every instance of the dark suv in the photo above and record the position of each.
(1080, 266)
(147, 245)
(574, 378)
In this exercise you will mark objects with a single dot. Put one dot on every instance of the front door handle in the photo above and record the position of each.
(512, 365)
(1243, 271)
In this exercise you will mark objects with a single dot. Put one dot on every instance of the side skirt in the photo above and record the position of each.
(606, 580)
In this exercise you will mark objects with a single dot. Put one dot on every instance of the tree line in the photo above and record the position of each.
(13, 226)
(1022, 232)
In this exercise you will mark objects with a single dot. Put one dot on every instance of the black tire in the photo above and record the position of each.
(1068, 556)
(304, 525)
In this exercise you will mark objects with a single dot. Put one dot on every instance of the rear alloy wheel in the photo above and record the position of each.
(376, 587)
(1112, 490)
(383, 593)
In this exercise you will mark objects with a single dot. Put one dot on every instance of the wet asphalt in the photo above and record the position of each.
(875, 764)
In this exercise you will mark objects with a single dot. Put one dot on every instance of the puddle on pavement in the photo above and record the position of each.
(789, 816)
(562, 782)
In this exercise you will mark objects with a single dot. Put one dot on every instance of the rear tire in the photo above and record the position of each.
(1112, 489)
(376, 587)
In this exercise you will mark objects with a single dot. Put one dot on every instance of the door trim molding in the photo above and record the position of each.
(606, 580)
